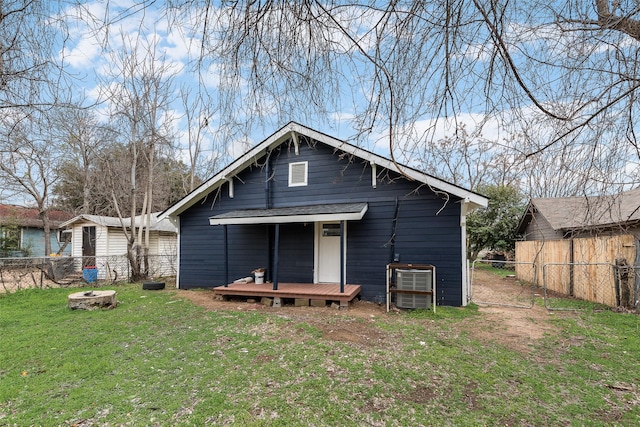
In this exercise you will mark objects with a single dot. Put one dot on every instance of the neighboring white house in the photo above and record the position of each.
(101, 243)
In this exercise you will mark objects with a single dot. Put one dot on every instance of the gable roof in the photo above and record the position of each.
(574, 213)
(30, 217)
(114, 222)
(290, 132)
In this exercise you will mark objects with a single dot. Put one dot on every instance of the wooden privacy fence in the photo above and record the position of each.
(597, 269)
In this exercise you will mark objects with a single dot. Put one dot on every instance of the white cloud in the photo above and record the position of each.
(239, 147)
(83, 54)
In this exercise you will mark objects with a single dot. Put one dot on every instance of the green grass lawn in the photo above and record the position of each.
(160, 360)
(504, 269)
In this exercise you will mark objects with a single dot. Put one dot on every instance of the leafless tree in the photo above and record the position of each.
(81, 137)
(468, 160)
(602, 164)
(30, 70)
(28, 160)
(204, 156)
(138, 90)
(93, 188)
(32, 81)
(400, 62)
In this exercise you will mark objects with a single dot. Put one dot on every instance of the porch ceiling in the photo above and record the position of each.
(311, 213)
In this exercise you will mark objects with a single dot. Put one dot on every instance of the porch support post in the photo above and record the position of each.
(276, 250)
(226, 255)
(342, 257)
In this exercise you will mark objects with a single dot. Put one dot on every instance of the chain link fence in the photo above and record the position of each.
(561, 286)
(633, 277)
(54, 272)
(504, 283)
(583, 273)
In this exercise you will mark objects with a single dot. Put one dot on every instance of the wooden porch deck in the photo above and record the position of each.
(311, 291)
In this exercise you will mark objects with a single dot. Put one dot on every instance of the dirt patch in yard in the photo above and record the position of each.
(353, 332)
(515, 328)
(504, 319)
(354, 325)
(207, 299)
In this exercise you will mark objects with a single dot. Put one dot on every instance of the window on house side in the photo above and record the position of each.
(65, 236)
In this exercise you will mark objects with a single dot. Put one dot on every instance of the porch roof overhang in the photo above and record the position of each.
(311, 213)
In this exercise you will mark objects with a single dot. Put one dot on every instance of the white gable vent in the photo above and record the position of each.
(298, 173)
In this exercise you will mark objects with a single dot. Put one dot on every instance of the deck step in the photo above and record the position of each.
(303, 294)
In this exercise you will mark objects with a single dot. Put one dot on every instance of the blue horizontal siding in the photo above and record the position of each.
(296, 253)
(427, 227)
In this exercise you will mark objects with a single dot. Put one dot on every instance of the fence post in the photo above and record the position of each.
(636, 297)
(571, 271)
(616, 282)
(636, 264)
(544, 284)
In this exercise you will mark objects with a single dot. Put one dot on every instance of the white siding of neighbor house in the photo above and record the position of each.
(163, 247)
(167, 244)
(112, 241)
(111, 250)
(159, 243)
(76, 240)
(101, 239)
(153, 243)
(117, 242)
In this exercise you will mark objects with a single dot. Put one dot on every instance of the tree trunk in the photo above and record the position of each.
(133, 253)
(86, 188)
(46, 223)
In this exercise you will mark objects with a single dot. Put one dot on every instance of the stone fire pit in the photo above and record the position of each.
(92, 300)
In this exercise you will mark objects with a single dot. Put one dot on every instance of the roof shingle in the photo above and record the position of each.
(566, 213)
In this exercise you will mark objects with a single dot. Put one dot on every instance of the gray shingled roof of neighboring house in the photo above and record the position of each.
(566, 213)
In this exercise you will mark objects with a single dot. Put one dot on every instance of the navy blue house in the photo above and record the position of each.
(314, 209)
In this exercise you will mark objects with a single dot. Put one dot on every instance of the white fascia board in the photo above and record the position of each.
(217, 180)
(71, 221)
(464, 209)
(176, 222)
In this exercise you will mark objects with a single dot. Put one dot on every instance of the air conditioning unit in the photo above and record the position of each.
(414, 280)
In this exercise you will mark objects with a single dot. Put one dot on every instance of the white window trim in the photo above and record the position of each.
(306, 174)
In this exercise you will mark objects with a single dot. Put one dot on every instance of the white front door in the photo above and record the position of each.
(328, 252)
